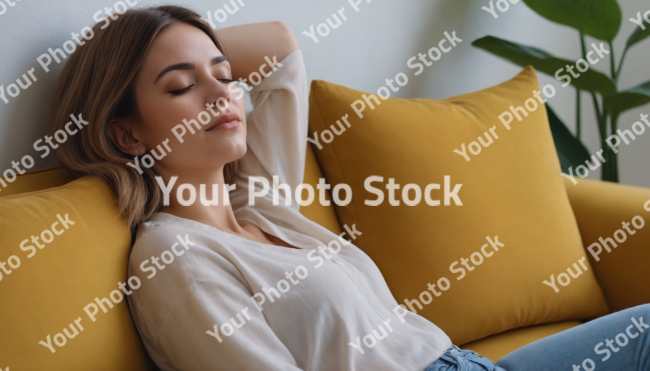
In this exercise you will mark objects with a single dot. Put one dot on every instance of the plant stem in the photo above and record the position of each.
(599, 117)
(614, 174)
(613, 61)
(607, 166)
(578, 112)
(578, 92)
(612, 158)
(620, 65)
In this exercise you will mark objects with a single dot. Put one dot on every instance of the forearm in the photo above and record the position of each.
(247, 45)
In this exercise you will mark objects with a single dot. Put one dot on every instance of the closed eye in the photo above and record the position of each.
(185, 90)
(181, 91)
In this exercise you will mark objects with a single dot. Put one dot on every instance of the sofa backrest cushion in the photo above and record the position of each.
(613, 224)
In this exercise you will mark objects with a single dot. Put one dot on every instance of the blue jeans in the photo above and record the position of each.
(616, 342)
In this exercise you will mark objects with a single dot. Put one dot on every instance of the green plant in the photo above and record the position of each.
(600, 19)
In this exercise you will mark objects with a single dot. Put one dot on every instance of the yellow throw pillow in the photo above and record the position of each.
(60, 249)
(316, 212)
(489, 228)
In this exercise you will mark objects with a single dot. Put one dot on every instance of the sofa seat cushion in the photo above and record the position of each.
(497, 346)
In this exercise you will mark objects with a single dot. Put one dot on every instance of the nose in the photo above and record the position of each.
(218, 91)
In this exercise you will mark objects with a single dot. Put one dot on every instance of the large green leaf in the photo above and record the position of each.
(570, 150)
(523, 55)
(598, 18)
(639, 34)
(628, 99)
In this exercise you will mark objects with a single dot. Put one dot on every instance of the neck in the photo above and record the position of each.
(203, 197)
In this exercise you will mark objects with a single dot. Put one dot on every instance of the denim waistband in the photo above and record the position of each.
(455, 359)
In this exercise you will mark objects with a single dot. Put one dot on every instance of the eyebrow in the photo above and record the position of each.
(189, 66)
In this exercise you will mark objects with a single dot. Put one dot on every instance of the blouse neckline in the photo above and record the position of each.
(230, 235)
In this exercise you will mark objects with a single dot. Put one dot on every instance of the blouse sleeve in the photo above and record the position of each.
(276, 130)
(201, 289)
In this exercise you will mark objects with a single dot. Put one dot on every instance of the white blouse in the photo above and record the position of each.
(315, 304)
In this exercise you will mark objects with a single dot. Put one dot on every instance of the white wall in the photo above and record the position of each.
(374, 44)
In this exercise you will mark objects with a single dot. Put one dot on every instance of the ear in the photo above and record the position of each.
(125, 138)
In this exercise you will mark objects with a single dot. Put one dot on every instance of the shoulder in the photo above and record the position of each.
(178, 246)
(165, 239)
(156, 235)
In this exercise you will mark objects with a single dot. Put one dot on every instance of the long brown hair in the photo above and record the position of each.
(98, 82)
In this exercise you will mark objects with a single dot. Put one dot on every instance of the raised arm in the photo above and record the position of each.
(277, 126)
(247, 45)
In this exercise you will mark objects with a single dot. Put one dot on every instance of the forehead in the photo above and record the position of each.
(180, 43)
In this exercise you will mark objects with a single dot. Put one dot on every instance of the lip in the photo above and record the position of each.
(225, 121)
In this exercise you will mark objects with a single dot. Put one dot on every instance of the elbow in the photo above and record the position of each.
(286, 36)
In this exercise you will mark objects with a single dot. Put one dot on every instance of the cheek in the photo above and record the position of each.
(160, 119)
(241, 106)
(168, 114)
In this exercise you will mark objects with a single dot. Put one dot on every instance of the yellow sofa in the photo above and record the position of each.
(597, 205)
(51, 287)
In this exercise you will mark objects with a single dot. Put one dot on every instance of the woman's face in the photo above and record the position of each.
(182, 73)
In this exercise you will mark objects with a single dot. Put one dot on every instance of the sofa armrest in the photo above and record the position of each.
(601, 208)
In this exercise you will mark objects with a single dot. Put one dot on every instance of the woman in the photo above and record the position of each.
(248, 287)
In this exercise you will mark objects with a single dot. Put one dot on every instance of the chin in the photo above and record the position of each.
(238, 151)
